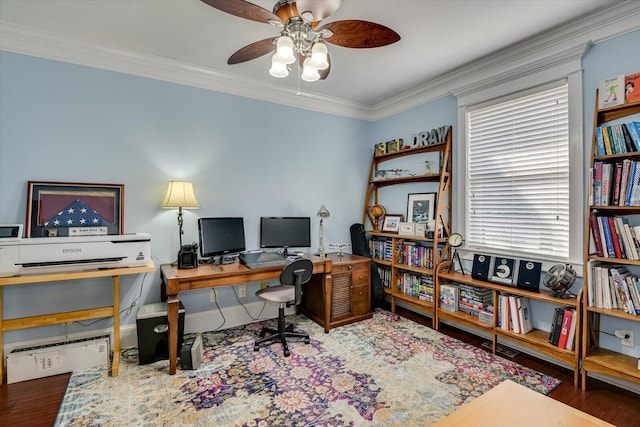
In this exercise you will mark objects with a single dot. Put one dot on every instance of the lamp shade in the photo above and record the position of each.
(309, 72)
(180, 195)
(323, 212)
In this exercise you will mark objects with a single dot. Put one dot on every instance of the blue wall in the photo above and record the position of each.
(62, 122)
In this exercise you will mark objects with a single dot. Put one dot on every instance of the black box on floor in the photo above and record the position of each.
(153, 332)
(191, 353)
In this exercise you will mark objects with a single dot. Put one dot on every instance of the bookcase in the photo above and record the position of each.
(611, 205)
(408, 262)
(536, 339)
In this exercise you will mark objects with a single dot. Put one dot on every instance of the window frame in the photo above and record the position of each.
(501, 91)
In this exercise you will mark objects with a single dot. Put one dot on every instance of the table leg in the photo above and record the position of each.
(172, 318)
(115, 365)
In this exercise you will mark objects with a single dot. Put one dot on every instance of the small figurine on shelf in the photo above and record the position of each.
(340, 247)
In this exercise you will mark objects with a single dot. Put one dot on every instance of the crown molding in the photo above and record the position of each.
(561, 45)
(558, 47)
(33, 42)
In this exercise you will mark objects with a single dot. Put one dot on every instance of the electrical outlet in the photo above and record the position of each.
(212, 295)
(242, 291)
(628, 341)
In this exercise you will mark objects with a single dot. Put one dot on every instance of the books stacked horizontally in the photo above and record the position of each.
(475, 300)
(416, 285)
(613, 237)
(514, 314)
(613, 288)
(563, 328)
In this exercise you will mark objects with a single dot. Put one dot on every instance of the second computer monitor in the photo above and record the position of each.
(285, 232)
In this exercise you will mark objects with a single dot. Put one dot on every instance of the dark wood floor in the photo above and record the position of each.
(36, 402)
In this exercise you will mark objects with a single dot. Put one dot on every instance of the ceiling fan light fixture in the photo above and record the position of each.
(309, 72)
(278, 69)
(319, 54)
(284, 50)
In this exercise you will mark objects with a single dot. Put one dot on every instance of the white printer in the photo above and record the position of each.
(41, 255)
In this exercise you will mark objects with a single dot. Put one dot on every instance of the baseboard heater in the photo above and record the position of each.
(57, 358)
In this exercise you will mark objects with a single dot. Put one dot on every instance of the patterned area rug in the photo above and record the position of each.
(386, 371)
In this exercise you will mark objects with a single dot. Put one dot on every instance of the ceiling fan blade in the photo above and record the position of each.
(243, 9)
(253, 51)
(360, 34)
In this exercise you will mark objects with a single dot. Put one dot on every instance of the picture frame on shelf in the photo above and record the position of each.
(421, 207)
(391, 223)
(420, 229)
(380, 149)
(393, 146)
(74, 209)
(406, 229)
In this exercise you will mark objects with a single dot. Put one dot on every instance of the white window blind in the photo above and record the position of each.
(518, 175)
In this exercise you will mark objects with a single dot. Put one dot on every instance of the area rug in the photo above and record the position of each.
(385, 371)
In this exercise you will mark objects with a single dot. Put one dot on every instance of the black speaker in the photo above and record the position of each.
(188, 256)
(480, 268)
(360, 246)
(529, 275)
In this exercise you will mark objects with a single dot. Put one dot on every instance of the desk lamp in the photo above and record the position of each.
(180, 195)
(322, 214)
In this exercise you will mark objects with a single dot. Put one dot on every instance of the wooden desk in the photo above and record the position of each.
(510, 404)
(69, 316)
(209, 276)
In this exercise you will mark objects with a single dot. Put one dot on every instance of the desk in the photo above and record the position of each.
(69, 316)
(510, 404)
(209, 276)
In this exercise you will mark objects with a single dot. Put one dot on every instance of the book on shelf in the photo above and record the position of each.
(632, 88)
(613, 287)
(565, 327)
(449, 297)
(524, 314)
(514, 316)
(556, 325)
(571, 338)
(611, 91)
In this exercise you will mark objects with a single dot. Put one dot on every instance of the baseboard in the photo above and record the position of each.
(203, 321)
(618, 382)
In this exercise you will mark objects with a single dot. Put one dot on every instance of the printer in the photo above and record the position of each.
(40, 255)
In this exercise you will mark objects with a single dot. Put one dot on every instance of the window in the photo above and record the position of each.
(518, 174)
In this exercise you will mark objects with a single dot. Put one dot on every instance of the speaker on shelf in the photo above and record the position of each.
(480, 268)
(529, 275)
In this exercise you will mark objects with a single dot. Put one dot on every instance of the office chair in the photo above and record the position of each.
(289, 293)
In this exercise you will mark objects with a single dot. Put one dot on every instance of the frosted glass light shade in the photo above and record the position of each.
(180, 195)
(284, 50)
(278, 69)
(309, 72)
(319, 56)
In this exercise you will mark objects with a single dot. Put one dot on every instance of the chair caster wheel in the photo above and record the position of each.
(256, 348)
(307, 340)
(287, 353)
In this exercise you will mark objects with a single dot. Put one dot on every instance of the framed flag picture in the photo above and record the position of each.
(74, 209)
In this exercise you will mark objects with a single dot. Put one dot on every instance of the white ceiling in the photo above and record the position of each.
(437, 36)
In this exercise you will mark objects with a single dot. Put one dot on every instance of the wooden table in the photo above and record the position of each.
(209, 276)
(510, 404)
(69, 316)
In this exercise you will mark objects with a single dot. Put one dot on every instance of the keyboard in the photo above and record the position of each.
(262, 259)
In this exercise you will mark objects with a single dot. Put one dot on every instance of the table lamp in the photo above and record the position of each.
(322, 214)
(180, 195)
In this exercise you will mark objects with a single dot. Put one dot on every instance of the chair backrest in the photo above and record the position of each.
(297, 273)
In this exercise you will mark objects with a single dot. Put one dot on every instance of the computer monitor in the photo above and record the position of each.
(285, 232)
(220, 236)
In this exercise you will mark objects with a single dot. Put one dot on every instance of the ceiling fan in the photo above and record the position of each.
(301, 38)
